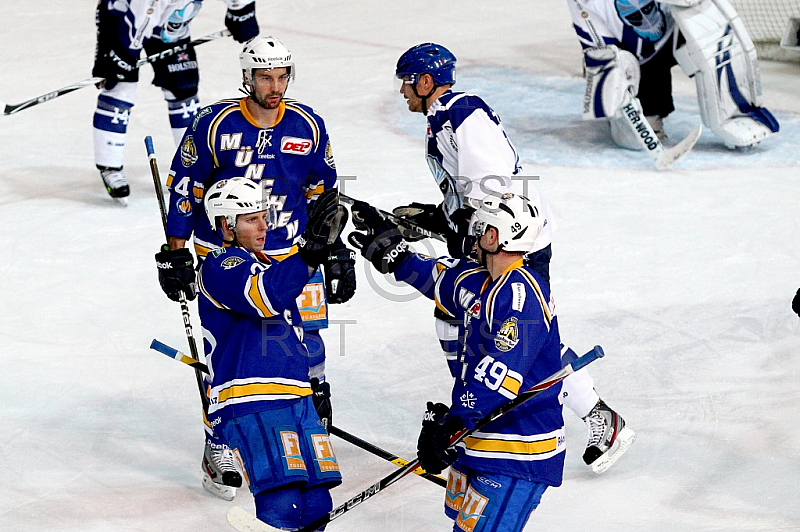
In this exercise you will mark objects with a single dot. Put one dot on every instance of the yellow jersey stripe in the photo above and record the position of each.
(257, 297)
(511, 446)
(539, 295)
(245, 390)
(308, 118)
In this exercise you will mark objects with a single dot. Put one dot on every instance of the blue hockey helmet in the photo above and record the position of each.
(427, 58)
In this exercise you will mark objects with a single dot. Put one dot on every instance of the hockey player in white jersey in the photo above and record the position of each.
(630, 47)
(470, 155)
(124, 28)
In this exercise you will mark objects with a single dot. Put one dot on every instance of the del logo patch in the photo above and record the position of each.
(508, 335)
(296, 145)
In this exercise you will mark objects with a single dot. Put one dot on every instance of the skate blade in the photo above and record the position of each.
(220, 490)
(625, 439)
(122, 201)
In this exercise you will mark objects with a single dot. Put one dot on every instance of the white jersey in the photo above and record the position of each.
(604, 20)
(470, 155)
(146, 18)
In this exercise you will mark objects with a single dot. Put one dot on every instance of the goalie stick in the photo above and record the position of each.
(187, 322)
(399, 221)
(10, 109)
(173, 353)
(662, 156)
(243, 521)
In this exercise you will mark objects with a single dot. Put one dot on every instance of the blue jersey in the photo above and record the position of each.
(509, 343)
(291, 159)
(252, 331)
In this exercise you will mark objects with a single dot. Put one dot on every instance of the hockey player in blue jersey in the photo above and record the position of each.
(509, 341)
(630, 47)
(260, 394)
(470, 154)
(283, 145)
(124, 28)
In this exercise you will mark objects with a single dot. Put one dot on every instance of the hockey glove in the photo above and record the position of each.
(796, 303)
(425, 215)
(380, 243)
(242, 22)
(176, 272)
(322, 401)
(433, 446)
(325, 223)
(340, 273)
(458, 243)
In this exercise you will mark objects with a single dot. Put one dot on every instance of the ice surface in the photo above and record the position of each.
(684, 277)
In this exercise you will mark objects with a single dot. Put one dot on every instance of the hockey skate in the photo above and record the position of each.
(609, 438)
(116, 185)
(220, 475)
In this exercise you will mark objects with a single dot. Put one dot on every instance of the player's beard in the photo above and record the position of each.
(265, 103)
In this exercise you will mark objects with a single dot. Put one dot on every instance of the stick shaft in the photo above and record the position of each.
(10, 109)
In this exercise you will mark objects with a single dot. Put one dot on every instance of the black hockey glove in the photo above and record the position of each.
(325, 224)
(425, 215)
(340, 273)
(242, 23)
(796, 303)
(381, 242)
(458, 243)
(176, 272)
(434, 440)
(322, 401)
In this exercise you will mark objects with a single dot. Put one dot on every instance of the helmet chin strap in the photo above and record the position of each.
(424, 98)
(485, 253)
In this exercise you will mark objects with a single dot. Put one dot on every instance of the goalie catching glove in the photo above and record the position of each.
(380, 242)
(433, 446)
(325, 223)
(176, 272)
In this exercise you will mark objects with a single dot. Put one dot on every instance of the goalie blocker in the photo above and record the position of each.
(719, 54)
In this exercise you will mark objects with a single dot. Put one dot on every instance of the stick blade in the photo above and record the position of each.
(675, 153)
(244, 521)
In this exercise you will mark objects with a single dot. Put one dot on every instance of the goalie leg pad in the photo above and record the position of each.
(611, 74)
(720, 55)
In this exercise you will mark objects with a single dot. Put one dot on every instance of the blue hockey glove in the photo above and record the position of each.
(322, 401)
(434, 440)
(242, 23)
(325, 224)
(380, 242)
(796, 303)
(176, 272)
(340, 273)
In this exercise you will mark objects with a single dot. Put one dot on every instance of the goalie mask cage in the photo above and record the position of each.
(766, 21)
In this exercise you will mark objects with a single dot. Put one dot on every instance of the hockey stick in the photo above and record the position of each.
(662, 156)
(171, 352)
(386, 455)
(243, 521)
(427, 233)
(187, 322)
(10, 109)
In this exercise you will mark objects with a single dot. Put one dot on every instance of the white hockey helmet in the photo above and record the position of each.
(238, 195)
(265, 52)
(517, 220)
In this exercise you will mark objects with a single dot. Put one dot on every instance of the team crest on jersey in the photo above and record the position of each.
(296, 146)
(475, 309)
(329, 156)
(188, 152)
(231, 262)
(468, 400)
(184, 206)
(508, 335)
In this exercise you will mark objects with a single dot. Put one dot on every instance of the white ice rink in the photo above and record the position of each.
(685, 277)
